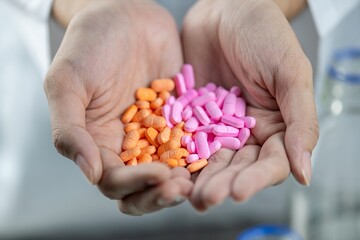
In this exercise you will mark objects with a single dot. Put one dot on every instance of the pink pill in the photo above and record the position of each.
(175, 115)
(250, 122)
(185, 140)
(235, 90)
(221, 93)
(211, 87)
(229, 142)
(203, 99)
(225, 131)
(188, 97)
(183, 100)
(213, 110)
(188, 72)
(191, 147)
(170, 100)
(240, 107)
(191, 124)
(180, 84)
(186, 114)
(233, 121)
(203, 90)
(202, 146)
(206, 129)
(214, 147)
(201, 115)
(166, 109)
(229, 104)
(192, 158)
(243, 136)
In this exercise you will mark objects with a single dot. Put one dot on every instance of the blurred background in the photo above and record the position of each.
(43, 195)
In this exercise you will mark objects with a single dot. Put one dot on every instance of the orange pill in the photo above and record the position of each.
(151, 135)
(142, 104)
(174, 153)
(130, 154)
(132, 126)
(164, 95)
(155, 157)
(160, 85)
(141, 115)
(197, 166)
(145, 94)
(172, 162)
(132, 162)
(176, 133)
(158, 111)
(143, 143)
(155, 121)
(156, 103)
(180, 125)
(169, 145)
(188, 134)
(129, 114)
(182, 162)
(131, 139)
(145, 158)
(142, 132)
(184, 152)
(164, 135)
(149, 149)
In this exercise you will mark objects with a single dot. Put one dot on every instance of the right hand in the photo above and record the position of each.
(110, 49)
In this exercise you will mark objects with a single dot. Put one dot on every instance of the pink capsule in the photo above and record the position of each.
(191, 124)
(229, 104)
(233, 121)
(240, 107)
(192, 158)
(191, 147)
(203, 99)
(203, 91)
(183, 100)
(250, 122)
(213, 110)
(221, 93)
(225, 131)
(186, 114)
(206, 129)
(211, 87)
(229, 142)
(175, 115)
(214, 147)
(170, 100)
(180, 84)
(188, 72)
(201, 115)
(185, 140)
(202, 146)
(243, 136)
(235, 90)
(188, 97)
(166, 109)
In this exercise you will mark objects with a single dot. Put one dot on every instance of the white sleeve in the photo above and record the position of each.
(39, 9)
(328, 13)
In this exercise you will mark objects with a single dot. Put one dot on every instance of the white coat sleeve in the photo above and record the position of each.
(39, 9)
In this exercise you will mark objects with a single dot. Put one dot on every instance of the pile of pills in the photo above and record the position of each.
(187, 130)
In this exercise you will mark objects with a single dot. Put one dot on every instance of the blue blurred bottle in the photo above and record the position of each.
(269, 232)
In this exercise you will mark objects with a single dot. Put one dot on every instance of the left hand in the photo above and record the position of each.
(251, 44)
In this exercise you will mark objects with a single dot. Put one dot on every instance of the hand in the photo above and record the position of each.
(110, 49)
(251, 44)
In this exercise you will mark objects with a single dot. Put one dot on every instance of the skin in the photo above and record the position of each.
(251, 44)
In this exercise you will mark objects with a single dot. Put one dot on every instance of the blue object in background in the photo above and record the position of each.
(269, 232)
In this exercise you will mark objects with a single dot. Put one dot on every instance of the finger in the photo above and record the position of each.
(67, 110)
(295, 95)
(121, 181)
(217, 162)
(180, 172)
(219, 186)
(170, 193)
(272, 167)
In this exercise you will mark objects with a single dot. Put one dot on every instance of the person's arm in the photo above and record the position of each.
(291, 8)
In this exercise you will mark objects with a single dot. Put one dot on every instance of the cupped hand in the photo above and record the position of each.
(109, 50)
(251, 44)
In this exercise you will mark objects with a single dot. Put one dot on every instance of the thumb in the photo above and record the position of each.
(70, 137)
(295, 96)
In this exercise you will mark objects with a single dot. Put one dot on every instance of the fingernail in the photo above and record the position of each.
(166, 203)
(306, 167)
(85, 168)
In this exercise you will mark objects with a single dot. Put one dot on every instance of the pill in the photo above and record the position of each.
(175, 114)
(142, 104)
(132, 126)
(142, 132)
(185, 140)
(203, 99)
(229, 142)
(131, 139)
(172, 162)
(164, 135)
(145, 94)
(184, 152)
(169, 145)
(188, 73)
(213, 110)
(225, 131)
(197, 166)
(158, 112)
(186, 114)
(191, 124)
(180, 84)
(180, 125)
(240, 107)
(206, 129)
(243, 136)
(145, 158)
(141, 115)
(233, 121)
(203, 90)
(182, 162)
(143, 143)
(214, 147)
(129, 114)
(164, 95)
(211, 86)
(220, 93)
(176, 134)
(158, 102)
(201, 144)
(191, 147)
(151, 135)
(174, 153)
(166, 109)
(154, 121)
(192, 158)
(188, 97)
(160, 85)
(149, 149)
(131, 162)
(250, 122)
(201, 115)
(130, 154)
(229, 104)
(235, 90)
(155, 157)
(170, 100)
